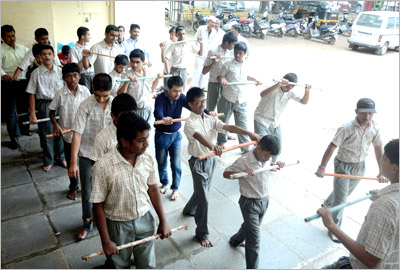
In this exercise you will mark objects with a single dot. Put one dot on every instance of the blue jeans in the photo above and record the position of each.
(169, 143)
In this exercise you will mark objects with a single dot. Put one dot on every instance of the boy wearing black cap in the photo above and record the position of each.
(353, 140)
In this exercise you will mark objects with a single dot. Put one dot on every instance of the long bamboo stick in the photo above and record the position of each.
(351, 176)
(224, 56)
(299, 84)
(162, 122)
(242, 174)
(227, 149)
(40, 120)
(132, 244)
(242, 83)
(53, 135)
(145, 78)
(339, 207)
(106, 55)
(182, 41)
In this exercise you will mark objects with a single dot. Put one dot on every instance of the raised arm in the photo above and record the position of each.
(306, 96)
(238, 130)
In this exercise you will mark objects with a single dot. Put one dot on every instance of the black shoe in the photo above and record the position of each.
(14, 143)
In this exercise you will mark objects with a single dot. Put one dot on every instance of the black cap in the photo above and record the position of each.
(366, 105)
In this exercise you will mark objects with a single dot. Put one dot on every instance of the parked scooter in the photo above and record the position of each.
(200, 20)
(276, 27)
(327, 33)
(345, 26)
(226, 24)
(258, 28)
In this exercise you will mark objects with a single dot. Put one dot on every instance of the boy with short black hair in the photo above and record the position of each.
(377, 244)
(353, 140)
(167, 63)
(65, 103)
(140, 90)
(44, 83)
(201, 131)
(92, 116)
(64, 55)
(106, 140)
(120, 64)
(273, 101)
(254, 195)
(233, 99)
(124, 182)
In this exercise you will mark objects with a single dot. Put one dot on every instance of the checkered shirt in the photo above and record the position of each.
(115, 85)
(214, 72)
(44, 84)
(76, 57)
(104, 64)
(141, 90)
(180, 54)
(233, 71)
(104, 142)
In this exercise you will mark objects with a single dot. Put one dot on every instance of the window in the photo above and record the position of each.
(390, 23)
(369, 20)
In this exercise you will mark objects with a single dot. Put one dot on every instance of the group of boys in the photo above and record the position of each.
(111, 132)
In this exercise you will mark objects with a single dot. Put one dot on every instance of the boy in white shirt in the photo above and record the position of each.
(120, 64)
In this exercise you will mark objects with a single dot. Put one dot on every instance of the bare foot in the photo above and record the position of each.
(47, 168)
(232, 243)
(72, 195)
(231, 137)
(133, 260)
(163, 189)
(82, 234)
(206, 243)
(63, 164)
(174, 195)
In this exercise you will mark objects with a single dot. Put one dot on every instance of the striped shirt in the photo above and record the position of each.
(115, 85)
(141, 90)
(104, 64)
(44, 83)
(233, 71)
(253, 187)
(180, 54)
(104, 142)
(354, 142)
(208, 127)
(76, 57)
(214, 71)
(89, 120)
(67, 104)
(123, 187)
(379, 233)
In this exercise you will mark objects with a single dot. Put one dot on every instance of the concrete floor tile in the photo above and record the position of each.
(165, 250)
(75, 251)
(225, 216)
(31, 144)
(186, 189)
(55, 192)
(52, 260)
(177, 264)
(8, 155)
(172, 206)
(39, 175)
(274, 212)
(24, 236)
(19, 201)
(14, 174)
(226, 186)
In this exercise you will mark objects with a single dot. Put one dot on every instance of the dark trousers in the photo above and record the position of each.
(87, 80)
(51, 146)
(85, 167)
(73, 182)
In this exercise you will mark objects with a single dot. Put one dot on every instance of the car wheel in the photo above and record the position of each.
(353, 47)
(383, 49)
(307, 35)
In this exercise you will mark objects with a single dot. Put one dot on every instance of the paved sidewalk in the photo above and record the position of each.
(35, 209)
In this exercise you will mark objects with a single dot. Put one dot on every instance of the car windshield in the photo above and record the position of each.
(370, 20)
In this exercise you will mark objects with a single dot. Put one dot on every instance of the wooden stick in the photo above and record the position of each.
(182, 41)
(227, 149)
(162, 122)
(299, 84)
(106, 55)
(351, 176)
(53, 135)
(339, 207)
(40, 120)
(144, 78)
(242, 174)
(132, 244)
(242, 83)
(215, 57)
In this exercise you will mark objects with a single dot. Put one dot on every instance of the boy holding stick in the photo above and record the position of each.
(273, 101)
(120, 63)
(377, 244)
(353, 140)
(201, 131)
(66, 102)
(124, 182)
(233, 98)
(92, 116)
(254, 195)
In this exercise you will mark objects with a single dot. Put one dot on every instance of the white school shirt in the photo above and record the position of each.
(67, 104)
(233, 71)
(104, 64)
(214, 71)
(207, 39)
(207, 126)
(270, 107)
(115, 85)
(89, 120)
(104, 142)
(29, 59)
(44, 84)
(141, 90)
(76, 57)
(179, 54)
(11, 58)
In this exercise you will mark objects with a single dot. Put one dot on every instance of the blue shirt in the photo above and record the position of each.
(164, 106)
(129, 45)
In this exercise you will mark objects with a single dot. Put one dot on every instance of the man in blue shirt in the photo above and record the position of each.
(134, 43)
(168, 106)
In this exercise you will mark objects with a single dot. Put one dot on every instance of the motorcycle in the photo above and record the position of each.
(276, 27)
(292, 25)
(226, 24)
(245, 28)
(200, 20)
(257, 28)
(327, 33)
(345, 26)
